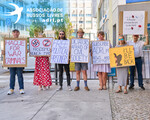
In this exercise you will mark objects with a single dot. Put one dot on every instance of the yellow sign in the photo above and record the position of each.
(122, 56)
(72, 67)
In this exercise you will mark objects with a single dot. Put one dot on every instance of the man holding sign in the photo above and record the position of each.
(15, 70)
(138, 60)
(81, 66)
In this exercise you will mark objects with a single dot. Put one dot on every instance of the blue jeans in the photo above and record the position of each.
(13, 72)
(138, 63)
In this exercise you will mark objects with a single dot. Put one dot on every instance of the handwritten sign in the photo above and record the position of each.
(121, 56)
(15, 52)
(133, 22)
(60, 51)
(100, 52)
(40, 46)
(80, 50)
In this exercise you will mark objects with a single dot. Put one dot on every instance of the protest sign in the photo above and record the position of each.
(121, 56)
(100, 52)
(40, 46)
(80, 50)
(60, 51)
(133, 22)
(15, 52)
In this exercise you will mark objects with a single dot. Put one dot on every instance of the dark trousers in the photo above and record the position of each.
(13, 72)
(138, 63)
(61, 70)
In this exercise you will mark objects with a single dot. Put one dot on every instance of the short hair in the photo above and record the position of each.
(15, 30)
(101, 33)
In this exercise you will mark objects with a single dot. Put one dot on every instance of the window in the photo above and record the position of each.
(88, 15)
(80, 21)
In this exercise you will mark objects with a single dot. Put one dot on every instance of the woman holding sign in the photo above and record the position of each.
(122, 72)
(42, 76)
(102, 69)
(62, 66)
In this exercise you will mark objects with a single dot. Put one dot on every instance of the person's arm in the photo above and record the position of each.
(147, 41)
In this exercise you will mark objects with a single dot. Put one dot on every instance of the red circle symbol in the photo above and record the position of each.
(35, 43)
(46, 42)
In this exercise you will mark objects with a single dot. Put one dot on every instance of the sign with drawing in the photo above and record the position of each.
(121, 56)
(40, 46)
(133, 22)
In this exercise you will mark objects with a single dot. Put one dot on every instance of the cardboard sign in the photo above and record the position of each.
(15, 52)
(60, 51)
(133, 22)
(40, 46)
(80, 50)
(121, 56)
(100, 52)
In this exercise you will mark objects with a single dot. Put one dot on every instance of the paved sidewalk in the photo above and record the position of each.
(53, 105)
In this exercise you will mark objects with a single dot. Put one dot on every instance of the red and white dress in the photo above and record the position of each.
(42, 74)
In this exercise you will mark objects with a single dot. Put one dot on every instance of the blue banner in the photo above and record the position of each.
(133, 1)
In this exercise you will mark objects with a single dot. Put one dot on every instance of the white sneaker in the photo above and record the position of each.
(22, 91)
(11, 91)
(69, 88)
(44, 88)
(60, 88)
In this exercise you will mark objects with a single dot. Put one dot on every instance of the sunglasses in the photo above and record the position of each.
(121, 39)
(61, 34)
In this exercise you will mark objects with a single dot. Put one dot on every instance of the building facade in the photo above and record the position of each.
(80, 13)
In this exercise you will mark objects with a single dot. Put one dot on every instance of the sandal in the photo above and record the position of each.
(125, 91)
(104, 87)
(101, 88)
(118, 91)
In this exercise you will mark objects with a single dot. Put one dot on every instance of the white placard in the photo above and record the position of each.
(60, 51)
(133, 22)
(100, 52)
(80, 50)
(40, 46)
(15, 53)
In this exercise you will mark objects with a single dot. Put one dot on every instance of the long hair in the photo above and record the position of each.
(64, 35)
(123, 39)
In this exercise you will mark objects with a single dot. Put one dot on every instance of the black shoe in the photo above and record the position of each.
(131, 87)
(143, 88)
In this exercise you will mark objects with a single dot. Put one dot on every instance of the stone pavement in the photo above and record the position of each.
(55, 105)
(132, 106)
(66, 105)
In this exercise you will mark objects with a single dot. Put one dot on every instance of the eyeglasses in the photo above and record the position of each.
(61, 34)
(121, 39)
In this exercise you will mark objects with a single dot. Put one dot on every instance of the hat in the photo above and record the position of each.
(80, 30)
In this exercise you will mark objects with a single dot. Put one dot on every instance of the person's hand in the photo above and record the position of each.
(3, 52)
(27, 51)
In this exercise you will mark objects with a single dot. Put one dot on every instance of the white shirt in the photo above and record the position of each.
(137, 47)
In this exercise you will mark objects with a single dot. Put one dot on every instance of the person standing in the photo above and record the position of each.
(102, 69)
(42, 76)
(122, 72)
(62, 36)
(81, 67)
(138, 60)
(14, 71)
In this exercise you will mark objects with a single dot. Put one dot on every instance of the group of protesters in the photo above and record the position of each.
(42, 76)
